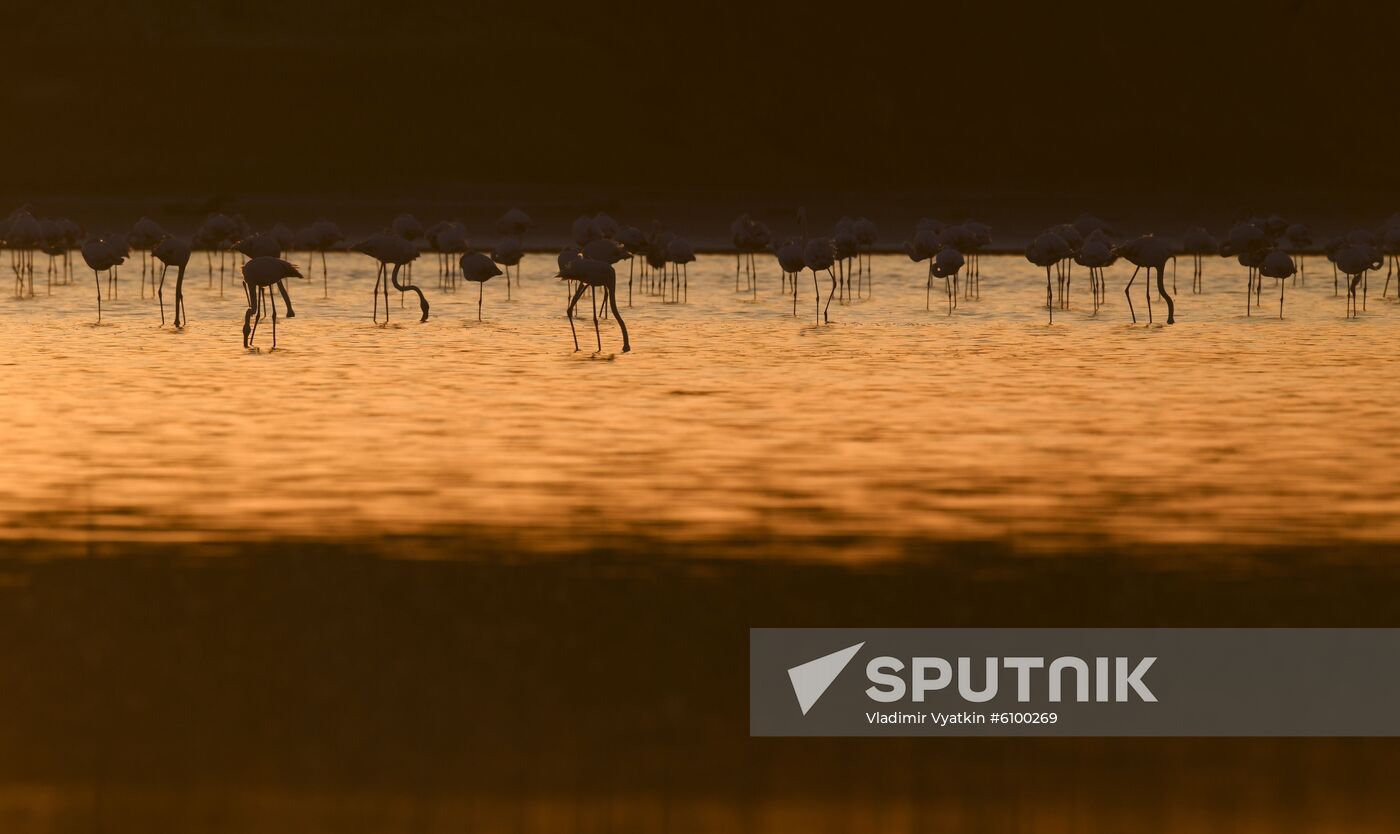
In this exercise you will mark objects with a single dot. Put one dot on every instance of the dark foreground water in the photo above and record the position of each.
(453, 577)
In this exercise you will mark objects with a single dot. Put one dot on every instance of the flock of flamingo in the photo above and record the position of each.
(1268, 247)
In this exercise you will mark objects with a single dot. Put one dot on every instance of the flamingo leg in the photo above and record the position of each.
(569, 312)
(1128, 295)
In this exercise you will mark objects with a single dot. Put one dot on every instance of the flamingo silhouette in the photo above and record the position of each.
(922, 247)
(1249, 243)
(173, 252)
(820, 253)
(509, 253)
(479, 268)
(101, 255)
(258, 274)
(396, 250)
(867, 233)
(265, 245)
(514, 223)
(591, 273)
(946, 265)
(636, 243)
(1278, 265)
(1355, 259)
(1047, 250)
(145, 234)
(1198, 243)
(1149, 252)
(1096, 255)
(791, 261)
(680, 254)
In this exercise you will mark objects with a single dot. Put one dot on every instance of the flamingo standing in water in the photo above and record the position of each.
(479, 268)
(101, 255)
(681, 254)
(173, 252)
(1064, 270)
(1355, 258)
(1096, 255)
(946, 265)
(924, 245)
(1279, 266)
(22, 236)
(792, 262)
(1249, 243)
(1198, 243)
(820, 253)
(1149, 252)
(591, 273)
(1299, 237)
(144, 235)
(867, 233)
(1047, 250)
(258, 274)
(396, 250)
(265, 245)
(509, 253)
(636, 243)
(514, 224)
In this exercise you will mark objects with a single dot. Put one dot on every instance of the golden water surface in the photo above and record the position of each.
(730, 419)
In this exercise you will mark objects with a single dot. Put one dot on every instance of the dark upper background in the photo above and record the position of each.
(1249, 102)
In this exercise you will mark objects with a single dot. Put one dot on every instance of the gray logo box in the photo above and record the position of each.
(1205, 682)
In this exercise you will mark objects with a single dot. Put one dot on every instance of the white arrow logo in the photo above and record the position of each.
(811, 679)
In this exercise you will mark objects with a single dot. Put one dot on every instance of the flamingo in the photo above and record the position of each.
(514, 223)
(396, 250)
(1096, 255)
(449, 241)
(321, 236)
(101, 255)
(1249, 243)
(867, 233)
(258, 274)
(22, 236)
(1086, 224)
(1278, 265)
(1149, 252)
(791, 261)
(145, 234)
(1300, 238)
(681, 254)
(749, 237)
(1047, 250)
(508, 253)
(215, 234)
(981, 239)
(847, 248)
(1390, 248)
(820, 253)
(964, 238)
(265, 245)
(1064, 269)
(591, 273)
(924, 245)
(1355, 258)
(174, 252)
(636, 243)
(479, 268)
(946, 265)
(1198, 243)
(52, 243)
(585, 229)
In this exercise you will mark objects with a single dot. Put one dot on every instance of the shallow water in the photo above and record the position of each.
(729, 420)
